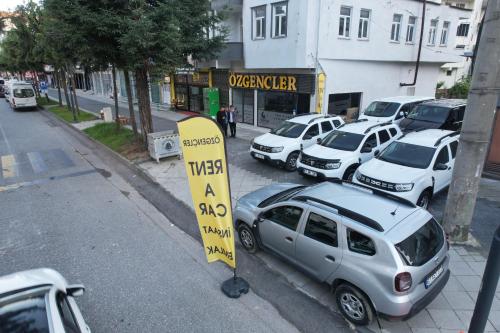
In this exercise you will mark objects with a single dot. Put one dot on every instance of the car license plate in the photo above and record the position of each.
(259, 156)
(433, 276)
(310, 173)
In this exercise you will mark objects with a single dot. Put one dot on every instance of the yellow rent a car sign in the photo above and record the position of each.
(204, 153)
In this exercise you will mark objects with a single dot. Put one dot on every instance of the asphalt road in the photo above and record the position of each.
(67, 204)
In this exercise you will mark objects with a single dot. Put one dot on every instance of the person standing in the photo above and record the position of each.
(222, 120)
(232, 120)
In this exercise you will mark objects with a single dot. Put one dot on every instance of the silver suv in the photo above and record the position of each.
(381, 254)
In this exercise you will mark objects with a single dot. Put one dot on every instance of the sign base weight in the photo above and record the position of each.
(234, 287)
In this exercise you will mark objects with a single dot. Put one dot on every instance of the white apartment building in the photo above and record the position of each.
(326, 56)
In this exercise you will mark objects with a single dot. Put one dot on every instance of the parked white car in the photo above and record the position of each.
(40, 300)
(283, 144)
(342, 151)
(22, 96)
(414, 167)
(392, 108)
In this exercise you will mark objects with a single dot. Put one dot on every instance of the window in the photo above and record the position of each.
(393, 131)
(360, 243)
(383, 136)
(463, 29)
(336, 123)
(27, 314)
(406, 108)
(345, 22)
(279, 19)
(443, 156)
(321, 229)
(286, 216)
(396, 27)
(371, 141)
(259, 22)
(312, 131)
(449, 72)
(453, 148)
(67, 318)
(444, 34)
(423, 245)
(431, 40)
(23, 92)
(326, 126)
(364, 19)
(410, 29)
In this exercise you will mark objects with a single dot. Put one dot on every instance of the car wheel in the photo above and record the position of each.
(353, 305)
(349, 174)
(424, 199)
(247, 238)
(291, 161)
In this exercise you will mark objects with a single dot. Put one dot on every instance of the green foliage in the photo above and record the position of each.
(440, 84)
(42, 101)
(460, 89)
(64, 114)
(107, 134)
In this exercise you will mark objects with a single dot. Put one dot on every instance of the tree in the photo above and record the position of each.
(460, 89)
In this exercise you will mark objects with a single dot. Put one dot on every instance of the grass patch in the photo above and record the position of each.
(64, 114)
(121, 141)
(42, 101)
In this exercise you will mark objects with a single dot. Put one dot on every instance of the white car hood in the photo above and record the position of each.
(390, 172)
(376, 119)
(272, 140)
(31, 278)
(320, 151)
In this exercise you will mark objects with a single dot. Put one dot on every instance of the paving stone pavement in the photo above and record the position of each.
(449, 312)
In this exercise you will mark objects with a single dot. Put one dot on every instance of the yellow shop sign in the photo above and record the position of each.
(263, 81)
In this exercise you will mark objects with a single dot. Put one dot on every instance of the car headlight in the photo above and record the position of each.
(357, 174)
(405, 187)
(333, 165)
(276, 149)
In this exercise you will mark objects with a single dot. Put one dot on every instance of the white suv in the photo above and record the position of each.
(392, 108)
(341, 152)
(283, 144)
(414, 167)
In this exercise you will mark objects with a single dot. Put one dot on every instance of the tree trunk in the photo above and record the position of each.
(115, 97)
(141, 77)
(37, 83)
(58, 82)
(128, 88)
(73, 83)
(68, 102)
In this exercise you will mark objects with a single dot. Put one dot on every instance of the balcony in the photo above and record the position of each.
(233, 4)
(232, 52)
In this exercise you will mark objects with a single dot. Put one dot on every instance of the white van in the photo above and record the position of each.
(392, 109)
(22, 96)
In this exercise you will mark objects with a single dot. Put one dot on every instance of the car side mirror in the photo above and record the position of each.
(75, 290)
(366, 149)
(318, 141)
(440, 167)
(308, 137)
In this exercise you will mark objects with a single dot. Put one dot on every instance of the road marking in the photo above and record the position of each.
(9, 166)
(9, 150)
(37, 162)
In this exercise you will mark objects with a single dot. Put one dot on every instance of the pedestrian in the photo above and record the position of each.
(44, 90)
(222, 120)
(232, 120)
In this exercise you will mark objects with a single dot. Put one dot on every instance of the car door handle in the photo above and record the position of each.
(329, 258)
(449, 168)
(289, 239)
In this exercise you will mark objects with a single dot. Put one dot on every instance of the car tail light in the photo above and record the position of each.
(403, 281)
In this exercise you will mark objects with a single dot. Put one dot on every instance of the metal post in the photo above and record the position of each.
(488, 287)
(476, 129)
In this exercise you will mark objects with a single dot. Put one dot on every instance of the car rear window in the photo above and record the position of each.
(23, 92)
(423, 245)
(25, 315)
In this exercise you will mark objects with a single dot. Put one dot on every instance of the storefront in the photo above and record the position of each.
(189, 90)
(265, 100)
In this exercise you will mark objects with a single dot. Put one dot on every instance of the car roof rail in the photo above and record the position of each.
(377, 125)
(353, 122)
(438, 142)
(315, 118)
(344, 212)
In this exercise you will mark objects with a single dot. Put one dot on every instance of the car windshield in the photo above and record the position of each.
(423, 245)
(24, 316)
(429, 113)
(289, 129)
(406, 154)
(23, 92)
(281, 196)
(381, 109)
(342, 140)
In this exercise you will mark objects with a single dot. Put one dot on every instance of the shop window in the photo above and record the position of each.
(279, 19)
(345, 21)
(340, 104)
(243, 101)
(396, 27)
(259, 22)
(275, 107)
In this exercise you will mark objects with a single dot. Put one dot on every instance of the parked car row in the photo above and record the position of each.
(19, 94)
(412, 164)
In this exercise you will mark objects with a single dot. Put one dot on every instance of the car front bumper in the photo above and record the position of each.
(411, 196)
(309, 171)
(273, 158)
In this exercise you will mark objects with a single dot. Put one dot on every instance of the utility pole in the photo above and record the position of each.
(476, 129)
